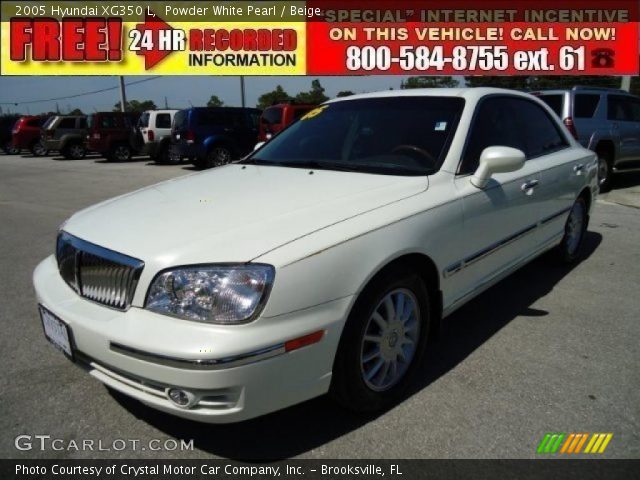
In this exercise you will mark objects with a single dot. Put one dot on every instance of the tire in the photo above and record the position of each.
(218, 156)
(120, 153)
(163, 155)
(605, 170)
(75, 151)
(9, 149)
(38, 149)
(364, 378)
(571, 245)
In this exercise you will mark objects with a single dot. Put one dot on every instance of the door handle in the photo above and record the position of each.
(579, 168)
(528, 186)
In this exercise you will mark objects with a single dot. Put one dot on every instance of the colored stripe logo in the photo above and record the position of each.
(572, 443)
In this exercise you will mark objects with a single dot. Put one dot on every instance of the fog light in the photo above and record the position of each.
(181, 398)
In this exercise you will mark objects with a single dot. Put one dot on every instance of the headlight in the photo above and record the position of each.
(224, 294)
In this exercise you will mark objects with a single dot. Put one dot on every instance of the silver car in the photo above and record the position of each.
(604, 120)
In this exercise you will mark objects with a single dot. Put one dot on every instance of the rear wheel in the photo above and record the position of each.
(383, 342)
(164, 155)
(38, 149)
(574, 230)
(605, 170)
(9, 149)
(218, 156)
(120, 153)
(75, 151)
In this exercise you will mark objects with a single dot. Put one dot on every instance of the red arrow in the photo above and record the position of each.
(154, 24)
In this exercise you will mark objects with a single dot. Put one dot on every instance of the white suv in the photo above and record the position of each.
(155, 129)
(323, 261)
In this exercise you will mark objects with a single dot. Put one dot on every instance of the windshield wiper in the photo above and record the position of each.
(323, 165)
(257, 161)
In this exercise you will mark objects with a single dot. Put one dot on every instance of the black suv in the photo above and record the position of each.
(6, 127)
(214, 136)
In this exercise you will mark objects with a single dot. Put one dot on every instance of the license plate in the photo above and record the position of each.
(56, 331)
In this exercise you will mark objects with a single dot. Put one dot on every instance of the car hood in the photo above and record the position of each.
(234, 213)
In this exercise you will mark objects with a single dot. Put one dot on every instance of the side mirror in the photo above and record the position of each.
(497, 160)
(258, 145)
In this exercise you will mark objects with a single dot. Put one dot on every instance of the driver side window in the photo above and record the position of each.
(495, 124)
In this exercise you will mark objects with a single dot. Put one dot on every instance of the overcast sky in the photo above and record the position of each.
(178, 90)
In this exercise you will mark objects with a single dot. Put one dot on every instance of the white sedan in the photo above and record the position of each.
(322, 262)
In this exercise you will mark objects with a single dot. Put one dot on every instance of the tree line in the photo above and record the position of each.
(316, 94)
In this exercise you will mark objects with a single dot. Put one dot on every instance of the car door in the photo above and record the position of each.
(500, 219)
(563, 169)
(620, 114)
(66, 126)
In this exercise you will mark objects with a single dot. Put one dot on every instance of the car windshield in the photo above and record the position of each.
(406, 135)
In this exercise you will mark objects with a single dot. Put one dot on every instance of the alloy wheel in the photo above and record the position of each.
(76, 151)
(39, 149)
(390, 340)
(121, 153)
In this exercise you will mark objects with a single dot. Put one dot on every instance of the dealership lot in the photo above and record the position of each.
(549, 349)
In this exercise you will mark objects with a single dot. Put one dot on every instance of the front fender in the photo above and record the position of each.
(338, 261)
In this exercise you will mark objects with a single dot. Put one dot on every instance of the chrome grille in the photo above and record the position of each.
(97, 273)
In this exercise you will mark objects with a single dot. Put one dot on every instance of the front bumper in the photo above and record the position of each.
(225, 394)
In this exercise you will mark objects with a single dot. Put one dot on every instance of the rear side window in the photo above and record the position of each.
(180, 121)
(619, 108)
(108, 121)
(34, 122)
(163, 120)
(511, 122)
(585, 105)
(144, 120)
(69, 123)
(554, 101)
(541, 134)
(272, 115)
(82, 122)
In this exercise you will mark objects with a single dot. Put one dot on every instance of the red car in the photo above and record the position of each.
(26, 134)
(276, 117)
(113, 135)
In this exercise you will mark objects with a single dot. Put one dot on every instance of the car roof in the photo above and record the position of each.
(163, 110)
(466, 92)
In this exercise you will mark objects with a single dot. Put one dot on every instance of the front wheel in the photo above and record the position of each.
(605, 171)
(382, 343)
(574, 230)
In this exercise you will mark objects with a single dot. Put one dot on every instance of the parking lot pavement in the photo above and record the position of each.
(550, 349)
(626, 190)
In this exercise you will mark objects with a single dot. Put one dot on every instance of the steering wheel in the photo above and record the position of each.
(413, 149)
